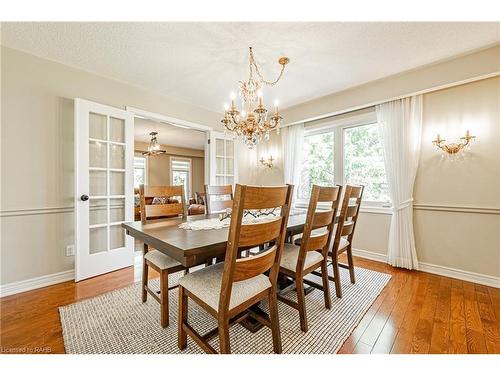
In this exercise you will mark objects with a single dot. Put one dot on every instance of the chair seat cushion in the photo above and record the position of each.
(291, 255)
(161, 260)
(206, 285)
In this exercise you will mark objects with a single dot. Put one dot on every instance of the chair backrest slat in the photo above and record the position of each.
(150, 211)
(246, 268)
(348, 215)
(218, 204)
(316, 219)
(256, 234)
(242, 236)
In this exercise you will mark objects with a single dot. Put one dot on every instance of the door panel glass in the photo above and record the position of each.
(219, 148)
(98, 240)
(116, 130)
(97, 154)
(229, 148)
(117, 183)
(98, 211)
(116, 237)
(98, 126)
(229, 166)
(116, 156)
(97, 183)
(219, 180)
(229, 180)
(117, 210)
(220, 165)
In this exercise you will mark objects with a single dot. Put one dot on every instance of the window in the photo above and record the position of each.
(317, 163)
(180, 174)
(140, 175)
(346, 152)
(364, 162)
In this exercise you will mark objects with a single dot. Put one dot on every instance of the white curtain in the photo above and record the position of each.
(292, 138)
(400, 124)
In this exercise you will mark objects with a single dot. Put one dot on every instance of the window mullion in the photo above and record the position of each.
(338, 159)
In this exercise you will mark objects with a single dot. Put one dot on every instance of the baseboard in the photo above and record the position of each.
(56, 278)
(36, 282)
(454, 273)
(377, 257)
(473, 277)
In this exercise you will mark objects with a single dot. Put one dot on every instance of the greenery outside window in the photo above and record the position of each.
(341, 153)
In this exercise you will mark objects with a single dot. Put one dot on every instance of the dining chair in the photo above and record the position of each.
(344, 234)
(157, 202)
(228, 289)
(223, 198)
(312, 251)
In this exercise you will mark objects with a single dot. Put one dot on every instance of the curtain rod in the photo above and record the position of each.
(372, 104)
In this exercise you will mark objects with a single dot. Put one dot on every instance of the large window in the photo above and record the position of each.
(318, 163)
(344, 154)
(140, 171)
(180, 174)
(364, 162)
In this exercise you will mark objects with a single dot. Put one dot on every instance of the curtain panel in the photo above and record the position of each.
(292, 139)
(400, 125)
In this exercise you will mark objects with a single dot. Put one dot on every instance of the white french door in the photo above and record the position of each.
(223, 159)
(104, 156)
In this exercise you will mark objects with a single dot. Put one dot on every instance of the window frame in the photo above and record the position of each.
(145, 168)
(338, 127)
(187, 194)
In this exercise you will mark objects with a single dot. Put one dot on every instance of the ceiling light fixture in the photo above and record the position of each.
(154, 146)
(252, 123)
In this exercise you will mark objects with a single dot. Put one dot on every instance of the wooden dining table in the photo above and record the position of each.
(196, 247)
(192, 247)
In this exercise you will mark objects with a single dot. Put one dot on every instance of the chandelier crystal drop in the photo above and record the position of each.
(253, 123)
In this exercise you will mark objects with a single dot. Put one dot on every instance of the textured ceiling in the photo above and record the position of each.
(168, 135)
(201, 63)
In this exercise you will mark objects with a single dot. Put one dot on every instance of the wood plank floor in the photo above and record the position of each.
(416, 313)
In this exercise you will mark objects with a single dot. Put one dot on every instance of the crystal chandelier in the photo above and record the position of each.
(253, 123)
(154, 146)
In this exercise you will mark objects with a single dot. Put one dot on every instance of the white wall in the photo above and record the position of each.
(37, 155)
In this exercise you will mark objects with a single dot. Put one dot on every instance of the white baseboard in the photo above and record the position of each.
(56, 278)
(36, 282)
(473, 277)
(454, 273)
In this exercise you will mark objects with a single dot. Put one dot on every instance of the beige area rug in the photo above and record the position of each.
(118, 322)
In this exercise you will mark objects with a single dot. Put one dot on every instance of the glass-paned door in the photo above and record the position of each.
(223, 159)
(103, 189)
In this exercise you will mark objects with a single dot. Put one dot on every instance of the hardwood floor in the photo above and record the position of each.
(416, 313)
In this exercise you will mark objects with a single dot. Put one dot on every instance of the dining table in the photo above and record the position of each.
(193, 247)
(197, 247)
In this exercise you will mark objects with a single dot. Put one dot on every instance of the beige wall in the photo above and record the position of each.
(159, 166)
(468, 241)
(37, 173)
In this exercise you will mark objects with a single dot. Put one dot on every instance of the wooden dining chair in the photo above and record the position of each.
(344, 234)
(223, 198)
(312, 253)
(228, 289)
(157, 202)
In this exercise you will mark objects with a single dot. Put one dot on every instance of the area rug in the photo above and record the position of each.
(118, 322)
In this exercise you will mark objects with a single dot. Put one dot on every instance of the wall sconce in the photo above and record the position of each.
(453, 148)
(267, 162)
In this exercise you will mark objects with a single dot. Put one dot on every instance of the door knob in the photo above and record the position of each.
(84, 197)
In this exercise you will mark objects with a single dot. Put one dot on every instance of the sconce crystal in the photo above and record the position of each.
(453, 148)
